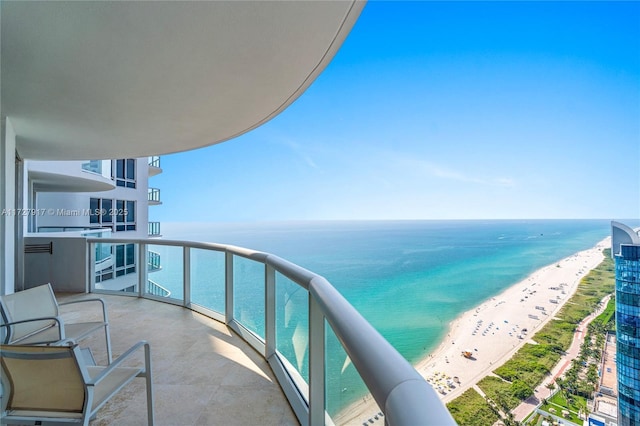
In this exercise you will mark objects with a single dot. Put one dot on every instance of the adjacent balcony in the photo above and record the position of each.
(99, 167)
(153, 262)
(154, 166)
(70, 176)
(154, 229)
(157, 290)
(154, 196)
(330, 364)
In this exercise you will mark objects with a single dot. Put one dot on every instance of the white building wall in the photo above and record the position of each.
(64, 268)
(7, 205)
(142, 170)
(62, 209)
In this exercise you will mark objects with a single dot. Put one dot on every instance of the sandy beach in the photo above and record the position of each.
(493, 331)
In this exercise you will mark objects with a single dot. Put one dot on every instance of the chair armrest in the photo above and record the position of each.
(102, 302)
(122, 358)
(61, 336)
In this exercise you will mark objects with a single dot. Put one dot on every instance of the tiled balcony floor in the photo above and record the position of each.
(203, 374)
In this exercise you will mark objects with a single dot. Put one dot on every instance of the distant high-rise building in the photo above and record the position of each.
(626, 252)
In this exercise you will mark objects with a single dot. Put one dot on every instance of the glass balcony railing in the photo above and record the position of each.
(154, 166)
(313, 339)
(100, 167)
(154, 196)
(154, 229)
(84, 230)
(156, 289)
(153, 262)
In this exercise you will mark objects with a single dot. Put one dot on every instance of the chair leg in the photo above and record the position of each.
(108, 343)
(147, 361)
(87, 414)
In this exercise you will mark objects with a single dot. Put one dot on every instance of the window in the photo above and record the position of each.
(107, 213)
(93, 166)
(94, 213)
(125, 261)
(125, 172)
(125, 215)
(131, 215)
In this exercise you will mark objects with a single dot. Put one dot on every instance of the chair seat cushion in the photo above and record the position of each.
(115, 380)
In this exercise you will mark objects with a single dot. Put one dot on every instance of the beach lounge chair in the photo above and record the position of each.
(53, 384)
(32, 317)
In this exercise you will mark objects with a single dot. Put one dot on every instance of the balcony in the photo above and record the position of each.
(154, 196)
(154, 229)
(308, 335)
(153, 262)
(203, 373)
(154, 166)
(70, 176)
(156, 289)
(99, 167)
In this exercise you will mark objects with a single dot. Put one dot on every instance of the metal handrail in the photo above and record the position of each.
(157, 290)
(398, 389)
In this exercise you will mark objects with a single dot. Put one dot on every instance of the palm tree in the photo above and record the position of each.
(551, 386)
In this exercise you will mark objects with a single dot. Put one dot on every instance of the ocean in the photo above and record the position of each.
(409, 279)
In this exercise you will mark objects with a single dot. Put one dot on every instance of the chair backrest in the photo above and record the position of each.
(35, 302)
(43, 378)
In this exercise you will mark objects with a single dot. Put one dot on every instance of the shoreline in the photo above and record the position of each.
(493, 331)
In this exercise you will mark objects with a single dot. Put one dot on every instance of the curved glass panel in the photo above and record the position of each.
(208, 279)
(347, 399)
(292, 324)
(165, 271)
(248, 294)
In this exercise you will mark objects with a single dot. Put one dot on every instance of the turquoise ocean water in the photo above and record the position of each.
(409, 279)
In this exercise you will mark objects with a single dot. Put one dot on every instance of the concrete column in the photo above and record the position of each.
(8, 223)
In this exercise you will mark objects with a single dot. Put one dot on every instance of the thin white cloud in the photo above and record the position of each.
(428, 168)
(300, 152)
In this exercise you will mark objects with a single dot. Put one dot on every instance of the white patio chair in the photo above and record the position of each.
(32, 317)
(53, 384)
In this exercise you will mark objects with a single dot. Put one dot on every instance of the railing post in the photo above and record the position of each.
(186, 275)
(270, 311)
(91, 279)
(228, 287)
(143, 265)
(316, 364)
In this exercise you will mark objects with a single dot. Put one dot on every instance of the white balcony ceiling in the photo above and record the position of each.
(95, 80)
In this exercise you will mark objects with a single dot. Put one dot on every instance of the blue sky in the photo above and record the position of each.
(441, 111)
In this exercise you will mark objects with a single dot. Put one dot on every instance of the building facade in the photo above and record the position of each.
(627, 260)
(73, 200)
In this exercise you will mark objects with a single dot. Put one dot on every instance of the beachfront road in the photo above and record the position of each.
(523, 410)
